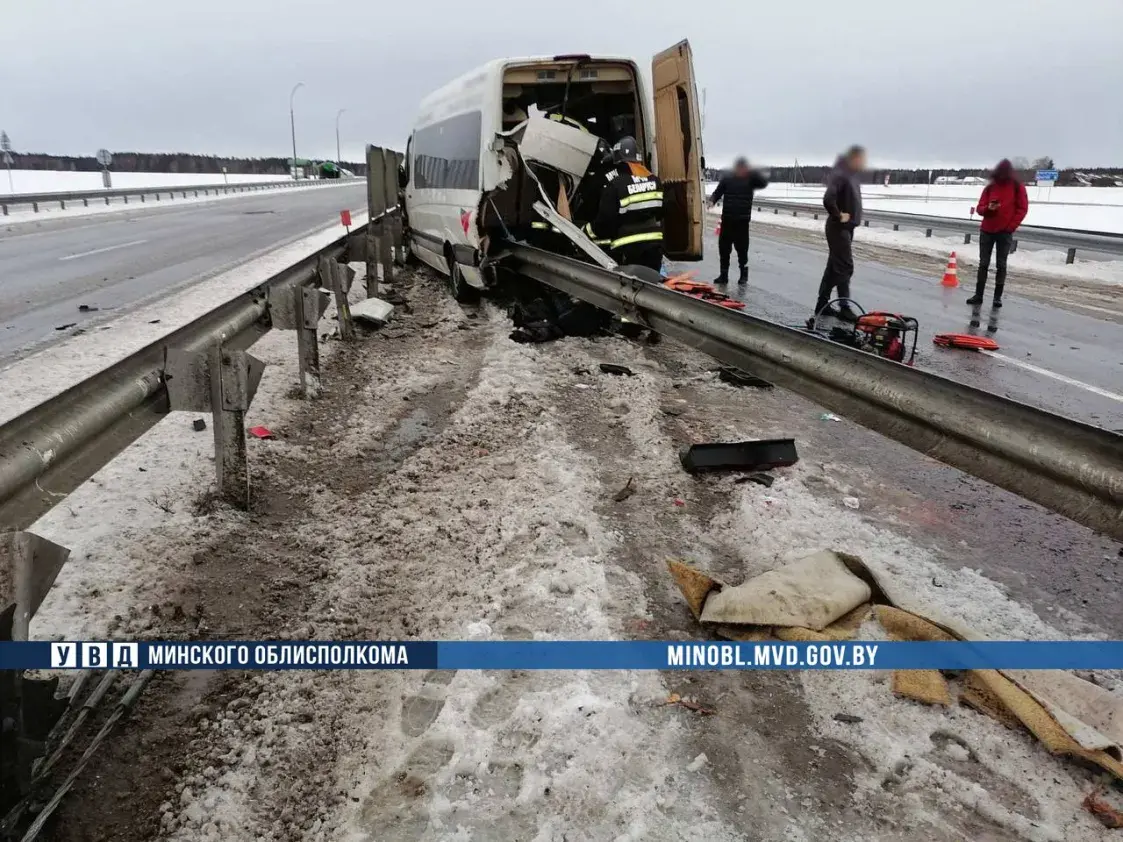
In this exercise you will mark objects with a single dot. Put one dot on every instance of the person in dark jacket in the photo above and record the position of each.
(735, 192)
(843, 201)
(629, 221)
(1002, 206)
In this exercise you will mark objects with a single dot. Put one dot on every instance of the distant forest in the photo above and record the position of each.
(163, 162)
(1099, 176)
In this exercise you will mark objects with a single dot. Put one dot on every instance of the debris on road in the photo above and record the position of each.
(760, 478)
(697, 763)
(261, 433)
(86, 308)
(737, 377)
(848, 718)
(624, 493)
(676, 699)
(373, 311)
(740, 456)
(198, 425)
(829, 416)
(673, 410)
(612, 368)
(154, 322)
(851, 502)
(67, 326)
(1105, 814)
(828, 596)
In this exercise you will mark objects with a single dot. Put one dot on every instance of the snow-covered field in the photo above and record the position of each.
(53, 181)
(1082, 208)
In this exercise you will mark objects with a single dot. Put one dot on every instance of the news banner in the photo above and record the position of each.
(559, 655)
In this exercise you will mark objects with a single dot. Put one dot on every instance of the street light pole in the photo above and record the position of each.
(292, 124)
(338, 156)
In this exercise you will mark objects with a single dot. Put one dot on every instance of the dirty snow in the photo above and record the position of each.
(492, 522)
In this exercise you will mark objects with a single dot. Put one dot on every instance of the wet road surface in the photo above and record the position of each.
(1049, 357)
(112, 261)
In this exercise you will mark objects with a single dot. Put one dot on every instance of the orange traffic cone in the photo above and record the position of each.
(951, 274)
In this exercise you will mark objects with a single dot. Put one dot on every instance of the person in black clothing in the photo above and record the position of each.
(735, 192)
(629, 221)
(843, 201)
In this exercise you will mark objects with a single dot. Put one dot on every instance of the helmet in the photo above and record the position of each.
(626, 151)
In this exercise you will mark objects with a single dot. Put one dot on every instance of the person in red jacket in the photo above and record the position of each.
(1002, 206)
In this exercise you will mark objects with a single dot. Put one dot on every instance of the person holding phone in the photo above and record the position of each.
(1002, 206)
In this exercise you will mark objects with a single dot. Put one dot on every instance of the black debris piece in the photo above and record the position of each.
(199, 425)
(612, 368)
(739, 455)
(760, 478)
(67, 326)
(86, 308)
(154, 322)
(624, 493)
(737, 377)
(848, 718)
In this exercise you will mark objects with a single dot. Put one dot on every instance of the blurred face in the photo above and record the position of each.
(858, 161)
(741, 167)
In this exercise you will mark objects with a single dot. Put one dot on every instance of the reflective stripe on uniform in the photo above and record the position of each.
(649, 237)
(647, 196)
(589, 233)
(654, 204)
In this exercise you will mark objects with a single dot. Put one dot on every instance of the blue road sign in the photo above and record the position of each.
(1047, 175)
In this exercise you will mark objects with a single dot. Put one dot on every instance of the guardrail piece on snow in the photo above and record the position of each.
(28, 567)
(337, 277)
(223, 382)
(300, 310)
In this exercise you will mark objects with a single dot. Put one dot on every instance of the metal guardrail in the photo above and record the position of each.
(1068, 240)
(1065, 465)
(84, 196)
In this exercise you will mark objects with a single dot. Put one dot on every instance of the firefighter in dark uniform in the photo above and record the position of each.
(629, 220)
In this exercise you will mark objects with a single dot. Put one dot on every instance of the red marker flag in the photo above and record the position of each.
(345, 218)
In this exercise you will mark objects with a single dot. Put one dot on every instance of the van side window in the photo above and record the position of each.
(446, 155)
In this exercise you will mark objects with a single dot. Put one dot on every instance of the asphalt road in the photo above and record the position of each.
(1049, 357)
(115, 261)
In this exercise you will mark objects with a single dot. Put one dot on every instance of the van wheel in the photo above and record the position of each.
(461, 290)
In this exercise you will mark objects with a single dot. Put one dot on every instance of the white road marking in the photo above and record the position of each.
(99, 251)
(1115, 396)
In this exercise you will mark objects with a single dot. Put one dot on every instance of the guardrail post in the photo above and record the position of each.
(896, 227)
(125, 198)
(107, 200)
(196, 195)
(815, 215)
(372, 260)
(776, 211)
(1070, 256)
(337, 277)
(386, 251)
(223, 382)
(927, 232)
(62, 204)
(85, 203)
(32, 563)
(399, 239)
(1013, 246)
(967, 238)
(142, 198)
(310, 305)
(35, 206)
(866, 223)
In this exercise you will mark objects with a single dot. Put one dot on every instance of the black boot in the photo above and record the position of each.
(975, 300)
(723, 276)
(997, 295)
(744, 278)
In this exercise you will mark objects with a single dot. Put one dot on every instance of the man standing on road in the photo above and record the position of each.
(735, 192)
(1002, 206)
(843, 201)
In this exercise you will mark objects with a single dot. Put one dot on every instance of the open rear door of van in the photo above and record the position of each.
(678, 145)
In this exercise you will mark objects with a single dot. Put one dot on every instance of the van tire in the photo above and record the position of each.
(461, 290)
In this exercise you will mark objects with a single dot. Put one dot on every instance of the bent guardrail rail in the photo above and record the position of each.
(84, 196)
(1069, 240)
(1068, 466)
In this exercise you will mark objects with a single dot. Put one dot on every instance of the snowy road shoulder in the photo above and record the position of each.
(453, 484)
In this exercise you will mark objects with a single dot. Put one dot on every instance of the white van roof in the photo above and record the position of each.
(461, 84)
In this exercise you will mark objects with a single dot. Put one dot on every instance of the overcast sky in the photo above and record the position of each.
(919, 82)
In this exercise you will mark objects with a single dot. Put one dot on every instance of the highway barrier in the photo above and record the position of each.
(1069, 240)
(140, 193)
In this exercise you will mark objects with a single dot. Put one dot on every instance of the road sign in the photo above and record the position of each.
(5, 143)
(8, 160)
(1047, 175)
(104, 158)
